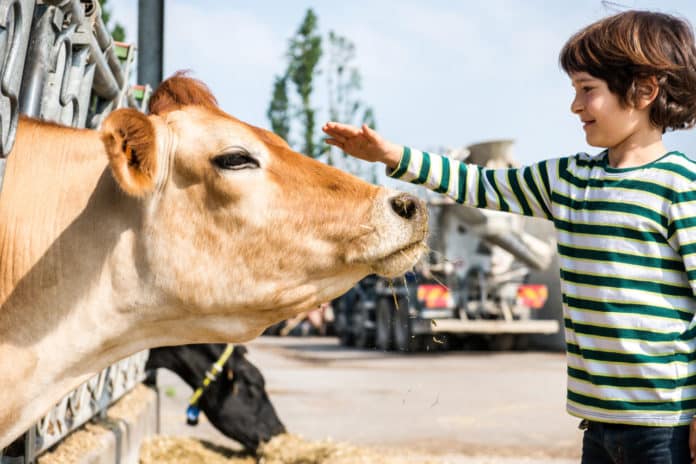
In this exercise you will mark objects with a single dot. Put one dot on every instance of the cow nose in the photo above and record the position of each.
(405, 205)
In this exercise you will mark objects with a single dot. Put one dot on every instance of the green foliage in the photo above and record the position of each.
(292, 91)
(344, 82)
(304, 53)
(278, 110)
(117, 32)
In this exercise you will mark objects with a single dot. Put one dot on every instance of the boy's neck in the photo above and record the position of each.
(640, 149)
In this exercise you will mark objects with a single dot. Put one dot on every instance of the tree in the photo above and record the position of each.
(344, 82)
(291, 102)
(117, 32)
(278, 110)
(304, 54)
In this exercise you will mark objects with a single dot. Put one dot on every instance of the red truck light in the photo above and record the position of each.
(434, 296)
(532, 295)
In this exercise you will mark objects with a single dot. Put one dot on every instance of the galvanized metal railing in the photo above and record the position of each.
(58, 62)
(15, 27)
(84, 403)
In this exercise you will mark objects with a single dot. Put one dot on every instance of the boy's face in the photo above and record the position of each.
(606, 122)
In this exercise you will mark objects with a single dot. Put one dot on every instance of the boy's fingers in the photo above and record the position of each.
(342, 129)
(336, 136)
(370, 134)
(335, 143)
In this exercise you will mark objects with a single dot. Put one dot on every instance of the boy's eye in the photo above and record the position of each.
(587, 89)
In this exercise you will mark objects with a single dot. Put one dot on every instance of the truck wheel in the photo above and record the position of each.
(346, 339)
(343, 329)
(364, 337)
(522, 342)
(342, 315)
(404, 338)
(503, 342)
(385, 321)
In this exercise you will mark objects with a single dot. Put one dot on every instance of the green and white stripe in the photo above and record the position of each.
(627, 247)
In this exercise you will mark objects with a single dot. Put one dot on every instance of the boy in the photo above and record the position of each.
(626, 228)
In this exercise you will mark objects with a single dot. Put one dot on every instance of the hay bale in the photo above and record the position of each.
(74, 447)
(171, 450)
(282, 449)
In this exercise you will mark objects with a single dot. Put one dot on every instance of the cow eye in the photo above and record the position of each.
(235, 161)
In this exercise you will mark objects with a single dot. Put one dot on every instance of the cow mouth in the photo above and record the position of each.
(400, 261)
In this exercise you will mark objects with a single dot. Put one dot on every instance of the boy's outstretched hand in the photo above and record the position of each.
(363, 142)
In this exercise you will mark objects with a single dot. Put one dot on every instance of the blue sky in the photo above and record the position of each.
(438, 73)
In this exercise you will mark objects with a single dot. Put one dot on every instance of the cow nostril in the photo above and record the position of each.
(404, 205)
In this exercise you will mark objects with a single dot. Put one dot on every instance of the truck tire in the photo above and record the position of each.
(404, 338)
(343, 329)
(346, 338)
(363, 336)
(343, 319)
(384, 324)
(522, 342)
(503, 342)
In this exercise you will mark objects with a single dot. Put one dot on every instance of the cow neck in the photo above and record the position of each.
(64, 226)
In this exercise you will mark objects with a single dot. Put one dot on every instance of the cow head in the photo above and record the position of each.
(236, 403)
(233, 219)
(241, 408)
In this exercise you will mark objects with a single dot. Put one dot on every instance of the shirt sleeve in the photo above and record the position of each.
(682, 231)
(523, 190)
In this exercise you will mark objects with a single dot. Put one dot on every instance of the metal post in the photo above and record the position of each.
(30, 446)
(150, 41)
(47, 20)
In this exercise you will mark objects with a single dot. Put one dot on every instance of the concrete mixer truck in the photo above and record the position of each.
(474, 282)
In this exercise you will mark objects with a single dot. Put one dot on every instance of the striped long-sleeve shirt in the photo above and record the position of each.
(627, 247)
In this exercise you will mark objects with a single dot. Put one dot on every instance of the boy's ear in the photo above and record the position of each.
(130, 141)
(646, 91)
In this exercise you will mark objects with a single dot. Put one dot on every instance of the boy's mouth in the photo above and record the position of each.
(586, 124)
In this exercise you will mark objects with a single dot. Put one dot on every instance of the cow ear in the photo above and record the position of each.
(130, 140)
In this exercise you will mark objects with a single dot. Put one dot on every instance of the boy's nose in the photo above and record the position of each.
(575, 105)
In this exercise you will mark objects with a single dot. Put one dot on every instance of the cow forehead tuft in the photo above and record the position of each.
(179, 91)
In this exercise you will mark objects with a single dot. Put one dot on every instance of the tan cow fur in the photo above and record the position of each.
(165, 248)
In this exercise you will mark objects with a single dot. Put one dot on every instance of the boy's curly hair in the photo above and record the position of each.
(629, 47)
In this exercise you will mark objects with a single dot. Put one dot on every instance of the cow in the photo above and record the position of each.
(185, 225)
(236, 403)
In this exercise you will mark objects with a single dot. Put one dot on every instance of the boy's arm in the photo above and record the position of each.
(682, 238)
(524, 191)
(682, 231)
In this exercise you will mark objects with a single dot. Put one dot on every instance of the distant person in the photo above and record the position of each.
(626, 228)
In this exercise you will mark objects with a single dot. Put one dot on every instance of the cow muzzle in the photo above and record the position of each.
(400, 221)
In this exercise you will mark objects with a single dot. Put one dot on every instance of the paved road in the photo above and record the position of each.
(465, 407)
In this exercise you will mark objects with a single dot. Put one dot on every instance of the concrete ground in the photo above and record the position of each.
(460, 407)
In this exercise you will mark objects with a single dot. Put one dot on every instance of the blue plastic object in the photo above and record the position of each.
(192, 413)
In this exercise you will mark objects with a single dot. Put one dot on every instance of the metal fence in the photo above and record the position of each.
(58, 62)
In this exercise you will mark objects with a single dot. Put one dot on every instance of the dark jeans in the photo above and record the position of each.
(633, 444)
